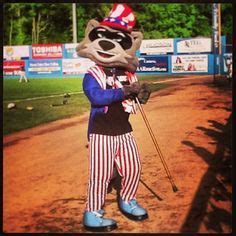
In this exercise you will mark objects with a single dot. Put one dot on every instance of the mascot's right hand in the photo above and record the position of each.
(132, 90)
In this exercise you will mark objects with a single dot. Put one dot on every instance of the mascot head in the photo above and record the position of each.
(112, 43)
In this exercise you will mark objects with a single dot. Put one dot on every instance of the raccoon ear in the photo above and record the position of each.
(137, 36)
(91, 25)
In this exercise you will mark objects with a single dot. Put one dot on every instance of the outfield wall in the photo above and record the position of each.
(161, 56)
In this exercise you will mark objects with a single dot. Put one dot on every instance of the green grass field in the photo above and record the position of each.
(37, 94)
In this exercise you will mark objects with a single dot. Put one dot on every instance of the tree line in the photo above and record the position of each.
(32, 23)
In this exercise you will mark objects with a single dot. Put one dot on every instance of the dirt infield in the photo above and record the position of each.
(45, 168)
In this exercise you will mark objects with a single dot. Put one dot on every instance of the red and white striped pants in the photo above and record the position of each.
(106, 150)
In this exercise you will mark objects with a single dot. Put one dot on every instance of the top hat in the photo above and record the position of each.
(120, 17)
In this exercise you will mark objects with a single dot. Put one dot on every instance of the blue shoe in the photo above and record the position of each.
(132, 210)
(94, 221)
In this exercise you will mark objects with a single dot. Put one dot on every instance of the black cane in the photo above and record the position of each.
(175, 189)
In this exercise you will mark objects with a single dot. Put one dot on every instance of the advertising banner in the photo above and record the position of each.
(12, 67)
(153, 64)
(228, 61)
(16, 52)
(44, 51)
(157, 46)
(76, 66)
(44, 67)
(189, 63)
(70, 50)
(194, 45)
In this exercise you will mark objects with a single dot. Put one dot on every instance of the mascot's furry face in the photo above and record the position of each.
(109, 46)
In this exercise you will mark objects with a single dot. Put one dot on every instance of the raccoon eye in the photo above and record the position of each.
(97, 33)
(121, 34)
(117, 40)
(124, 40)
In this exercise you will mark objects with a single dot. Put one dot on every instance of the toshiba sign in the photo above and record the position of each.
(45, 51)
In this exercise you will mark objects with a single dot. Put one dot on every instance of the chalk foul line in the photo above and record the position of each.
(81, 92)
(43, 97)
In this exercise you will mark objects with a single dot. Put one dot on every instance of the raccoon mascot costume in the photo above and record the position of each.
(111, 87)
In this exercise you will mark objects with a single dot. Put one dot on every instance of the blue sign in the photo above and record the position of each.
(44, 68)
(153, 64)
(69, 50)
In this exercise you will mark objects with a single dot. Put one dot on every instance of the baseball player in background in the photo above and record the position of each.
(23, 75)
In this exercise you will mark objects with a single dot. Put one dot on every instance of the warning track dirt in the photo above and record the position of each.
(46, 168)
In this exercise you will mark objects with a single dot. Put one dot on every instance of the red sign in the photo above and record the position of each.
(12, 67)
(44, 51)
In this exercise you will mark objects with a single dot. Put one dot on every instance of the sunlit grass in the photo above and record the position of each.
(20, 118)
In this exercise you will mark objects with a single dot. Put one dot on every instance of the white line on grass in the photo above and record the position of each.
(58, 95)
(50, 96)
(170, 80)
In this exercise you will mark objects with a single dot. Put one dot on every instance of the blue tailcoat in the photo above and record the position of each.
(98, 97)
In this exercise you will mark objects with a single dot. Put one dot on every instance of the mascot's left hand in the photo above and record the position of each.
(144, 93)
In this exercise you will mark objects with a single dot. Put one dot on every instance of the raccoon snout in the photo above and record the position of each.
(106, 45)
